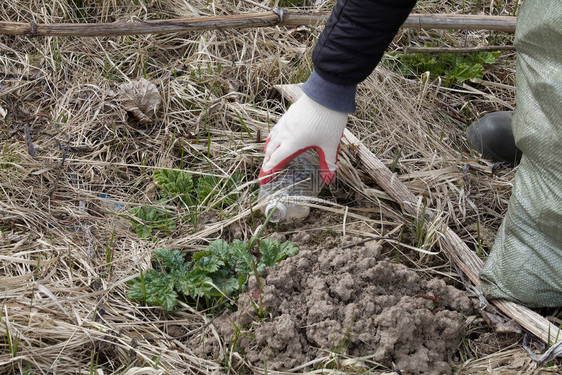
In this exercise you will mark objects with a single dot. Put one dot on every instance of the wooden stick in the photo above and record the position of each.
(239, 21)
(421, 21)
(457, 49)
(465, 259)
(461, 21)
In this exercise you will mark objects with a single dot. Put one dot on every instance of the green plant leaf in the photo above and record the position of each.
(464, 72)
(152, 218)
(221, 269)
(135, 292)
(242, 259)
(209, 263)
(207, 186)
(486, 57)
(210, 187)
(178, 189)
(229, 285)
(158, 290)
(176, 184)
(274, 252)
(199, 284)
(221, 248)
(168, 300)
(170, 259)
(455, 68)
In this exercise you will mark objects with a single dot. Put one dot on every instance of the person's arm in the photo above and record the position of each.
(351, 45)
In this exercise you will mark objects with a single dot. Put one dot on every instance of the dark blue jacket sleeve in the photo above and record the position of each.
(355, 38)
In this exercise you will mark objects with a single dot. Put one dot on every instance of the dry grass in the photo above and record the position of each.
(66, 246)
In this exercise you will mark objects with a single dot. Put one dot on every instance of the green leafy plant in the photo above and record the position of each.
(208, 188)
(274, 252)
(453, 67)
(176, 185)
(214, 276)
(187, 195)
(148, 219)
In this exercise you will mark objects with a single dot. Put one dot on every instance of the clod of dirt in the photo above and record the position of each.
(348, 302)
(141, 98)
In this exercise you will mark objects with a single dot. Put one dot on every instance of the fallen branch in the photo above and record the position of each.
(240, 21)
(457, 49)
(461, 21)
(465, 259)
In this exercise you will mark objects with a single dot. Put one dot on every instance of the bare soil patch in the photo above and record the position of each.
(347, 303)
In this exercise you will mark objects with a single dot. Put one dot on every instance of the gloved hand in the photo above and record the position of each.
(306, 124)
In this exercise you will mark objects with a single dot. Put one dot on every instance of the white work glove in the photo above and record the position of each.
(305, 125)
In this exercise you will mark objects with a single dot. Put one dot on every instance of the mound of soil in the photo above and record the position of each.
(348, 301)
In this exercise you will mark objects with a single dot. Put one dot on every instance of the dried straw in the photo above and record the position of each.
(66, 246)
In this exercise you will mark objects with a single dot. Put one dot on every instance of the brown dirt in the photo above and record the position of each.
(347, 301)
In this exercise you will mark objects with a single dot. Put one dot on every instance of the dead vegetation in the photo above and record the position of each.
(75, 160)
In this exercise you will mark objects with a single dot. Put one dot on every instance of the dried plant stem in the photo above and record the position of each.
(457, 49)
(240, 21)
